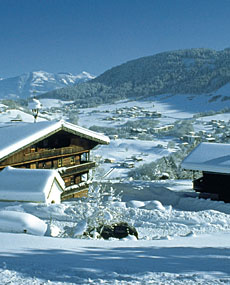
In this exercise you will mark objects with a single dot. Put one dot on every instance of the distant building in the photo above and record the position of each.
(109, 160)
(191, 138)
(31, 185)
(51, 145)
(213, 160)
(209, 138)
(163, 129)
(156, 114)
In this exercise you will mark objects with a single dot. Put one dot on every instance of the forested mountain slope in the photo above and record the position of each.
(191, 71)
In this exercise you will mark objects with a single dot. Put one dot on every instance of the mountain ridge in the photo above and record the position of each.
(190, 71)
(152, 68)
(38, 82)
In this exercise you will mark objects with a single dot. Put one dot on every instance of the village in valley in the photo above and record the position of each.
(145, 136)
(140, 132)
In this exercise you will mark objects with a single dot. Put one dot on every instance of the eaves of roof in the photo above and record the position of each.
(45, 132)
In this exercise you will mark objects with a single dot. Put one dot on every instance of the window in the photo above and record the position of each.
(72, 160)
(72, 180)
(84, 177)
(60, 162)
(85, 156)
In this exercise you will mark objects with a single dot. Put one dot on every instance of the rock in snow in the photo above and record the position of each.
(116, 230)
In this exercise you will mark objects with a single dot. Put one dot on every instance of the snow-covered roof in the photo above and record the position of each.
(18, 184)
(15, 137)
(210, 157)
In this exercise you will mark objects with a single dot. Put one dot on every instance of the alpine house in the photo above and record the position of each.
(213, 160)
(52, 145)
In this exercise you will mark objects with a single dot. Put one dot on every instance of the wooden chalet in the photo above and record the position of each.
(213, 160)
(52, 145)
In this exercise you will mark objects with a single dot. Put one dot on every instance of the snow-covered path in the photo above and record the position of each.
(28, 259)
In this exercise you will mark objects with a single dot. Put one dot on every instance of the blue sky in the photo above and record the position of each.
(95, 35)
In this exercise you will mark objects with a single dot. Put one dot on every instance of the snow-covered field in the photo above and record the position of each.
(36, 260)
(15, 114)
(182, 239)
(124, 151)
(171, 106)
(50, 103)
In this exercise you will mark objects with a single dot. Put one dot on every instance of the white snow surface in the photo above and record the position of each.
(182, 240)
(124, 151)
(49, 103)
(58, 261)
(27, 184)
(12, 114)
(172, 107)
(212, 157)
(16, 222)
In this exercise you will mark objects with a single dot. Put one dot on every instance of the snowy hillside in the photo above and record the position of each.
(191, 71)
(38, 82)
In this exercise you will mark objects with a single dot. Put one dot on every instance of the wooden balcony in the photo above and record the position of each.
(78, 192)
(76, 169)
(52, 153)
(41, 155)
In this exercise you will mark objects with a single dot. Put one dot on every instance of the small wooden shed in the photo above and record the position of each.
(213, 160)
(31, 185)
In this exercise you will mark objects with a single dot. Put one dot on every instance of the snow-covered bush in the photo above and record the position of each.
(101, 206)
(181, 128)
(95, 211)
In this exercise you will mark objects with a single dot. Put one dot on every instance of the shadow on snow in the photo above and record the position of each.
(116, 263)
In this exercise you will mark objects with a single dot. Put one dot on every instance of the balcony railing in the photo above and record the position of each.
(75, 192)
(48, 153)
(76, 169)
(42, 154)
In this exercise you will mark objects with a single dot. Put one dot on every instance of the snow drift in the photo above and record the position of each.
(17, 222)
